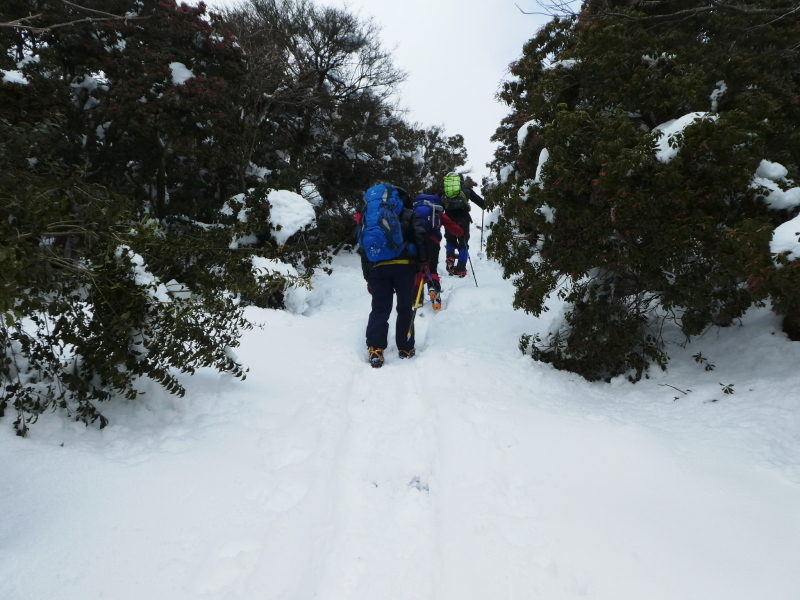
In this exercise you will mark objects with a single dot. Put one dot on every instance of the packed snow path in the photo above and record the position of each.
(467, 473)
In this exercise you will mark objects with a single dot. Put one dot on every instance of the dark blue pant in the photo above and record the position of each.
(457, 246)
(385, 281)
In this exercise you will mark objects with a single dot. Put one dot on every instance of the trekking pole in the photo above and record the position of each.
(351, 236)
(343, 242)
(480, 254)
(469, 258)
(416, 306)
(473, 270)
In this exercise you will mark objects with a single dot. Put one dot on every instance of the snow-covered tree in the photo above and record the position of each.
(327, 124)
(652, 151)
(104, 170)
(86, 305)
(162, 166)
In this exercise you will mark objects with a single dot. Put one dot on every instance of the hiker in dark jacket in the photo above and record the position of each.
(396, 276)
(456, 196)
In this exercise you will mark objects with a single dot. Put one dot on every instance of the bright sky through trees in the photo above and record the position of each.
(456, 53)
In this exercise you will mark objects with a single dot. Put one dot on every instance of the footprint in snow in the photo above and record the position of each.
(418, 485)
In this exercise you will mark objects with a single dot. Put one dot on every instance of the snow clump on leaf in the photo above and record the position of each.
(667, 145)
(180, 74)
(289, 213)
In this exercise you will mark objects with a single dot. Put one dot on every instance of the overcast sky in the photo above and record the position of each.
(456, 53)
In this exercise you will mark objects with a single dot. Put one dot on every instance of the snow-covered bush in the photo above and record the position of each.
(189, 149)
(272, 227)
(671, 152)
(85, 306)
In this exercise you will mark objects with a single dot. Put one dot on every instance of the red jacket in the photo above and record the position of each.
(450, 227)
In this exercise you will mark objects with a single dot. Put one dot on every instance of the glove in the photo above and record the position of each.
(369, 289)
(424, 267)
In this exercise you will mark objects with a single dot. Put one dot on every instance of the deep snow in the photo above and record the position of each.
(468, 472)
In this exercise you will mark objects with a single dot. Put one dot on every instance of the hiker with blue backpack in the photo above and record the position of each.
(430, 211)
(456, 196)
(393, 248)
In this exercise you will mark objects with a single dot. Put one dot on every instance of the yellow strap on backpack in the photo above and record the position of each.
(395, 261)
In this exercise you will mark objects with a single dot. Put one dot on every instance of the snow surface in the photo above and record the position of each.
(506, 172)
(295, 297)
(178, 290)
(238, 199)
(670, 129)
(260, 173)
(566, 63)
(767, 176)
(34, 58)
(180, 74)
(310, 192)
(544, 156)
(467, 473)
(771, 170)
(548, 212)
(522, 133)
(722, 87)
(291, 212)
(143, 277)
(786, 238)
(13, 77)
(775, 197)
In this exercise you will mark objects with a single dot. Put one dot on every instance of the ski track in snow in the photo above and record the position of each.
(467, 472)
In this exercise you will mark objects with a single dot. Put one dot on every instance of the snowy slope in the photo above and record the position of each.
(469, 472)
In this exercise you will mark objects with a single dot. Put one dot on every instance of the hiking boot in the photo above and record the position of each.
(407, 353)
(376, 357)
(436, 299)
(451, 264)
(460, 273)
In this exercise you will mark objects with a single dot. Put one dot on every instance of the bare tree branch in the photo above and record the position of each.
(21, 23)
(563, 8)
(92, 10)
(793, 11)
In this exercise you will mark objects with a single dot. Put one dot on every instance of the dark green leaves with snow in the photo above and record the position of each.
(647, 211)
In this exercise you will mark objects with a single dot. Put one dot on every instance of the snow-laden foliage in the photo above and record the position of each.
(210, 146)
(642, 172)
(87, 307)
(317, 108)
(290, 213)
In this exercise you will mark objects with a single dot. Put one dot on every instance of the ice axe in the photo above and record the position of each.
(416, 306)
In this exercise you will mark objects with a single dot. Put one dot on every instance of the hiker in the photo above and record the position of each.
(456, 196)
(431, 214)
(392, 245)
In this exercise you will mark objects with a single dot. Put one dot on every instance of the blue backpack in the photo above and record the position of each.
(429, 210)
(381, 233)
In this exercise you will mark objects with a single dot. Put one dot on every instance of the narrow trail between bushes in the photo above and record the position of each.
(469, 472)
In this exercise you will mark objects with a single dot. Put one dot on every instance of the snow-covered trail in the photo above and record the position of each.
(468, 472)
